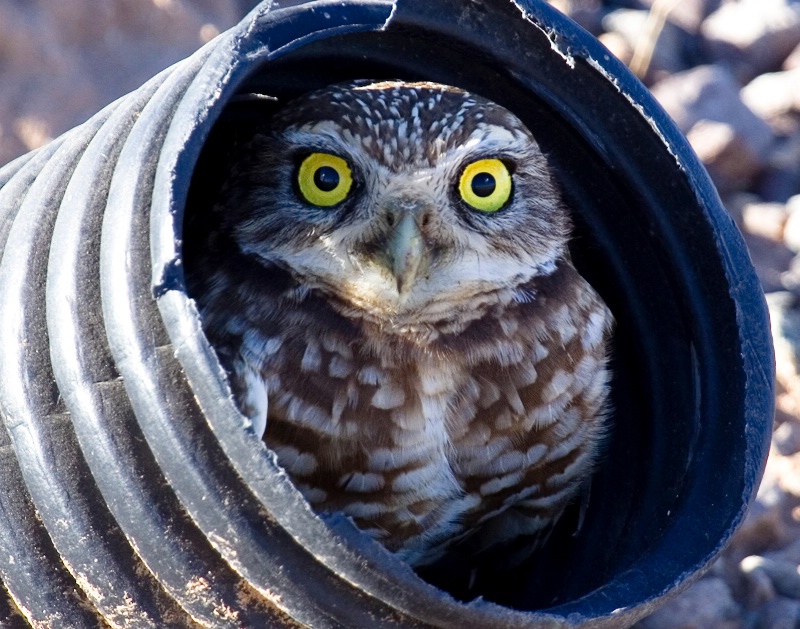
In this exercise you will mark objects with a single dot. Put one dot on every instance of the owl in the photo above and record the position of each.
(389, 288)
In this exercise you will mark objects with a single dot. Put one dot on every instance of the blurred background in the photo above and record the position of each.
(727, 71)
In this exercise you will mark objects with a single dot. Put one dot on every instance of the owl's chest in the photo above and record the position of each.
(404, 442)
(381, 426)
(424, 441)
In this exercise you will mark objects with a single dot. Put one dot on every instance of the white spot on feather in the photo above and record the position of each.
(365, 509)
(412, 480)
(504, 420)
(370, 375)
(255, 402)
(312, 357)
(296, 462)
(314, 495)
(558, 384)
(361, 483)
(490, 393)
(545, 502)
(534, 454)
(435, 381)
(302, 412)
(593, 330)
(388, 396)
(498, 484)
(381, 459)
(505, 463)
(521, 495)
(339, 367)
(335, 345)
(512, 397)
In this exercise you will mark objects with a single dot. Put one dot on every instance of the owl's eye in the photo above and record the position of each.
(324, 179)
(485, 185)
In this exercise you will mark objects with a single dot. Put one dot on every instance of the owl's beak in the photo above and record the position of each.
(405, 251)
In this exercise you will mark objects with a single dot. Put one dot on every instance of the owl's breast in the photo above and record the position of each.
(369, 437)
(423, 443)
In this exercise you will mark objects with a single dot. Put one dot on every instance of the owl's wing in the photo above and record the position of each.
(538, 423)
(250, 393)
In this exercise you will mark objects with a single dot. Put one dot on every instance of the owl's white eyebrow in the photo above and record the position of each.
(472, 151)
(322, 135)
(494, 136)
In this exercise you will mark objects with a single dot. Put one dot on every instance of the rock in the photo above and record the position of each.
(618, 46)
(756, 584)
(781, 613)
(712, 93)
(786, 439)
(62, 62)
(784, 575)
(791, 231)
(773, 94)
(753, 36)
(772, 262)
(793, 60)
(790, 553)
(688, 14)
(587, 13)
(769, 524)
(727, 157)
(765, 220)
(780, 179)
(707, 604)
(736, 202)
(784, 312)
(793, 204)
(787, 471)
(764, 526)
(790, 279)
(636, 28)
(776, 185)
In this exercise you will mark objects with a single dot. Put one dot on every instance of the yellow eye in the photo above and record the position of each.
(485, 185)
(324, 179)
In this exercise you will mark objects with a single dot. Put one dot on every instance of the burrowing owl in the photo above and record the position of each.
(390, 290)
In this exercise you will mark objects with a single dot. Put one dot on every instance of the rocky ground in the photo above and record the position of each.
(728, 71)
(60, 62)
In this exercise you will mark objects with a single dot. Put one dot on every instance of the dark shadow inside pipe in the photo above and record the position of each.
(668, 396)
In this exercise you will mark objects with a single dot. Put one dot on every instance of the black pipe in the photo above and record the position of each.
(134, 496)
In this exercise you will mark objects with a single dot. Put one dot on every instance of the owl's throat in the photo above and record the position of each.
(410, 294)
(417, 315)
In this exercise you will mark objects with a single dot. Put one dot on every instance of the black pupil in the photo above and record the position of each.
(326, 178)
(483, 184)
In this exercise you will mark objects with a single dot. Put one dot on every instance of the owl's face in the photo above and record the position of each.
(399, 199)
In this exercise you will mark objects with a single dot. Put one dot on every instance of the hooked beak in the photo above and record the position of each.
(405, 251)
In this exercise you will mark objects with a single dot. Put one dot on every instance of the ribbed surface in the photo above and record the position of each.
(132, 494)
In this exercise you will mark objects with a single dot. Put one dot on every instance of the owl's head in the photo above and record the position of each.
(399, 200)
